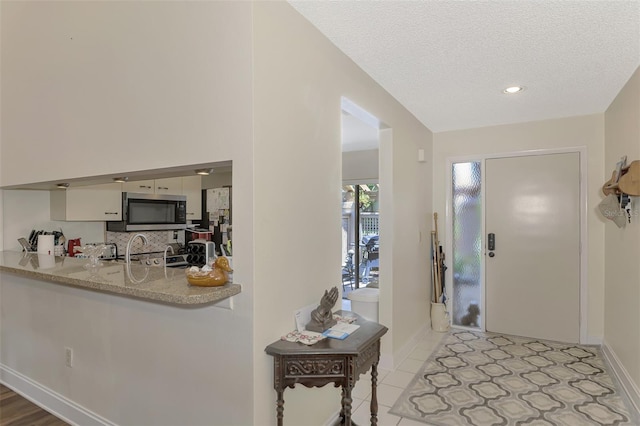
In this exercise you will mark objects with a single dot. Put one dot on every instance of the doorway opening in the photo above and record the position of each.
(360, 199)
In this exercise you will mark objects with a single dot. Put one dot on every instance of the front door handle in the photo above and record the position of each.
(492, 241)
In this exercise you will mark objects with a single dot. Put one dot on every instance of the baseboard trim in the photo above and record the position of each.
(334, 419)
(386, 362)
(594, 340)
(391, 362)
(625, 380)
(49, 400)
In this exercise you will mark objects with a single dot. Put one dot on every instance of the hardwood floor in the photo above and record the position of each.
(18, 411)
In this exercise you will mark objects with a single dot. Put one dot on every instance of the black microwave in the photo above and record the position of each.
(151, 212)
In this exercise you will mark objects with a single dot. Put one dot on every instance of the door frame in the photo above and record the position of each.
(584, 249)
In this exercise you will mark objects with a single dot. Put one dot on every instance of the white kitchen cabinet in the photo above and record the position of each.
(140, 186)
(87, 203)
(192, 188)
(171, 186)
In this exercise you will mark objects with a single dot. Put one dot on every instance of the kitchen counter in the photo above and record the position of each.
(155, 284)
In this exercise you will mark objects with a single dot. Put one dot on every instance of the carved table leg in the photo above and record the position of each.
(346, 404)
(374, 394)
(280, 406)
(342, 408)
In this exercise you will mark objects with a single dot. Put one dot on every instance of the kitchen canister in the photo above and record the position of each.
(46, 244)
(439, 317)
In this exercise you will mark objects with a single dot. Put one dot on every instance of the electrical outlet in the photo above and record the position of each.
(68, 355)
(175, 235)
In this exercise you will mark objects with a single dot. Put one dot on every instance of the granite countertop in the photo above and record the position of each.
(156, 284)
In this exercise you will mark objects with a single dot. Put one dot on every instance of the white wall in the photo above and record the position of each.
(622, 246)
(1, 218)
(587, 131)
(145, 85)
(1, 191)
(99, 88)
(27, 210)
(300, 78)
(134, 80)
(135, 362)
(360, 166)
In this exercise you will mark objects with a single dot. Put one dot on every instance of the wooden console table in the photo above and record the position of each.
(340, 362)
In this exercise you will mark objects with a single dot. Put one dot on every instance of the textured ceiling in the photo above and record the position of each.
(448, 61)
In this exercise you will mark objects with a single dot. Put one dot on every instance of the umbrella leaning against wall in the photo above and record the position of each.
(439, 315)
(437, 265)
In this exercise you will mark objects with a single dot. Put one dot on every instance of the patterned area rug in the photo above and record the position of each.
(483, 379)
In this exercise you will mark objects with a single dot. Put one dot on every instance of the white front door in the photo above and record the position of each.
(532, 279)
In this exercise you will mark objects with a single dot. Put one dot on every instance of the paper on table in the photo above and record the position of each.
(341, 330)
(306, 337)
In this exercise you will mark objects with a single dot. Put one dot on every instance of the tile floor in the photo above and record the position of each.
(391, 384)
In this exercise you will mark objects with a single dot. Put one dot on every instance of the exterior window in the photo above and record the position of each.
(360, 243)
(467, 240)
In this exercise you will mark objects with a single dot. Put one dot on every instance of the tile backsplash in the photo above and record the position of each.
(158, 240)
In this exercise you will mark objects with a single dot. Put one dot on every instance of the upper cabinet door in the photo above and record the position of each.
(171, 186)
(140, 187)
(87, 203)
(192, 188)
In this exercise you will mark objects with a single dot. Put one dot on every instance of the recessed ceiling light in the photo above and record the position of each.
(204, 172)
(62, 185)
(513, 89)
(122, 179)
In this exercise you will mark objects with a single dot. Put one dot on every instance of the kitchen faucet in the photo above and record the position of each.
(128, 252)
(165, 254)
